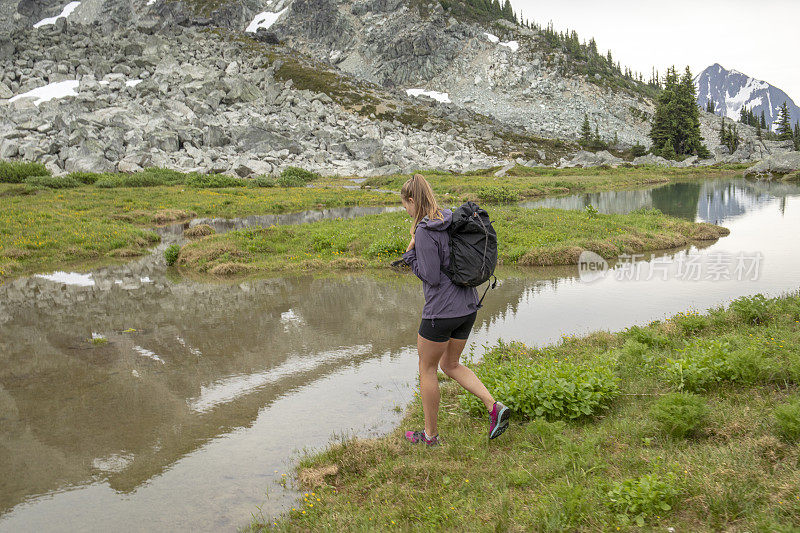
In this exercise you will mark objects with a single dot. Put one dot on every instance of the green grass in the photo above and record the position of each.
(532, 182)
(616, 469)
(83, 225)
(525, 236)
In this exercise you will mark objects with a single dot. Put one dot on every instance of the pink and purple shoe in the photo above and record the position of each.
(498, 420)
(419, 436)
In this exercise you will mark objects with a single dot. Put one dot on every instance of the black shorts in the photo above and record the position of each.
(444, 329)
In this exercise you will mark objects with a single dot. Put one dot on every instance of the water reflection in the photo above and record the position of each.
(702, 200)
(222, 225)
(130, 397)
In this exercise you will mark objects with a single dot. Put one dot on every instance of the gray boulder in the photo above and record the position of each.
(776, 164)
(651, 159)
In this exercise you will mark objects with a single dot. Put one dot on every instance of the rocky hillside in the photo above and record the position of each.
(252, 86)
(502, 70)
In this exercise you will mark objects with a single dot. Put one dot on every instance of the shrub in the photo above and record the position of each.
(680, 414)
(171, 254)
(591, 211)
(166, 176)
(51, 182)
(151, 177)
(262, 181)
(648, 336)
(497, 195)
(753, 310)
(89, 178)
(214, 181)
(16, 172)
(300, 174)
(638, 150)
(706, 362)
(642, 497)
(290, 181)
(542, 387)
(787, 420)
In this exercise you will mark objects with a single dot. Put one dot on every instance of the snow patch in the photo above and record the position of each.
(67, 11)
(151, 2)
(59, 89)
(265, 19)
(133, 83)
(440, 97)
(513, 45)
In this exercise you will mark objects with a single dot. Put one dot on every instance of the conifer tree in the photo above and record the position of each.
(797, 135)
(710, 105)
(763, 120)
(586, 130)
(784, 123)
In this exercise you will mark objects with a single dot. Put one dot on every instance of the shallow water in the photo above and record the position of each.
(194, 398)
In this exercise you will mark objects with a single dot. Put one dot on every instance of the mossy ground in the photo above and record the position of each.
(604, 472)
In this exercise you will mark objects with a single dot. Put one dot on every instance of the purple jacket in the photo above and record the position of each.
(431, 251)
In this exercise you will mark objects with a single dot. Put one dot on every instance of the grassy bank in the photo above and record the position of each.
(44, 228)
(525, 182)
(690, 423)
(525, 236)
(85, 218)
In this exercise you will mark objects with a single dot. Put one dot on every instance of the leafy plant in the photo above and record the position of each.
(262, 181)
(390, 246)
(89, 178)
(51, 182)
(299, 174)
(787, 420)
(171, 254)
(497, 195)
(680, 414)
(214, 181)
(591, 211)
(543, 387)
(690, 323)
(290, 181)
(641, 497)
(16, 172)
(753, 310)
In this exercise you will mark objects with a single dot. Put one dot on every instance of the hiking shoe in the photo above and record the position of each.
(498, 419)
(419, 436)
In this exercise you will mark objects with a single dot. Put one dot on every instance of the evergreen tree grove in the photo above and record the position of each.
(677, 117)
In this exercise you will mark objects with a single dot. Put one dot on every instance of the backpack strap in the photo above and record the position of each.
(492, 285)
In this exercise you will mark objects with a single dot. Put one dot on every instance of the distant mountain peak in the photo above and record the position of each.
(731, 90)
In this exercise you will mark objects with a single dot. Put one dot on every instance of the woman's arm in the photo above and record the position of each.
(424, 258)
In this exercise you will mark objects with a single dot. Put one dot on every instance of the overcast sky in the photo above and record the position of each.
(642, 34)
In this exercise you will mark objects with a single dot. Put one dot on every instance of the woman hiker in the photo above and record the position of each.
(448, 314)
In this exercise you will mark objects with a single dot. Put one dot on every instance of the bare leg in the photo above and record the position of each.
(429, 354)
(464, 376)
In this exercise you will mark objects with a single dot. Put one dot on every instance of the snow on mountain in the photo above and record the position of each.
(730, 90)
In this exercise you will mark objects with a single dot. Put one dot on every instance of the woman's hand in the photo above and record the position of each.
(410, 245)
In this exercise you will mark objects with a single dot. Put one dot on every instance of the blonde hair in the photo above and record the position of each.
(418, 188)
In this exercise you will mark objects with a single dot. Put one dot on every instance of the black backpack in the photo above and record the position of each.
(473, 248)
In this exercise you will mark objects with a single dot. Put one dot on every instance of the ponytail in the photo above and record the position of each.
(425, 204)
